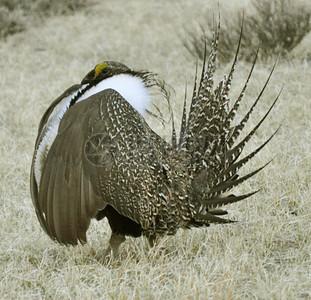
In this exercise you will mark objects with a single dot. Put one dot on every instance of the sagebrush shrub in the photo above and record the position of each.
(14, 14)
(276, 26)
(10, 22)
(58, 7)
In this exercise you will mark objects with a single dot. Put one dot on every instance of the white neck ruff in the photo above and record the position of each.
(131, 88)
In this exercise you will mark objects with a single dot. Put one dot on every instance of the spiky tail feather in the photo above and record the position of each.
(208, 136)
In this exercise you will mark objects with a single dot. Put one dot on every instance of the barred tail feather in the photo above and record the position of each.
(210, 218)
(220, 201)
(236, 105)
(237, 150)
(209, 138)
(201, 100)
(183, 125)
(235, 166)
(238, 129)
(227, 85)
(174, 136)
(229, 184)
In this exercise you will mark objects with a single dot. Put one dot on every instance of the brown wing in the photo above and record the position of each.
(66, 200)
(33, 184)
(83, 159)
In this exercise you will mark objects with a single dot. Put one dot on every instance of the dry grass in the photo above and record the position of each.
(265, 256)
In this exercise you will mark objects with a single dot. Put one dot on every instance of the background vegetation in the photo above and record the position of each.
(16, 15)
(266, 255)
(276, 26)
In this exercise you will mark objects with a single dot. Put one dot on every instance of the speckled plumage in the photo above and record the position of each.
(107, 162)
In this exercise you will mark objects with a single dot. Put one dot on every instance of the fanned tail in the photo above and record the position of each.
(209, 138)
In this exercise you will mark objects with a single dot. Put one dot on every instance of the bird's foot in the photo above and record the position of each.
(156, 246)
(111, 254)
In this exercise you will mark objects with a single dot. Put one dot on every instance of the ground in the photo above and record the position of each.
(267, 255)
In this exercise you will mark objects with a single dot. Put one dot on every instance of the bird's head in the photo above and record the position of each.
(108, 69)
(131, 84)
(105, 70)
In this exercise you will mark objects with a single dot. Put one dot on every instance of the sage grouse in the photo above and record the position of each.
(95, 157)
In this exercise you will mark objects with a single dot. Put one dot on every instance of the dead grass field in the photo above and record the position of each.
(267, 255)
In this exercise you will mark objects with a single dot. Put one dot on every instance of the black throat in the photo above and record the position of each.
(79, 94)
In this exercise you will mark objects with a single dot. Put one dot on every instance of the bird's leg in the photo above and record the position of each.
(114, 243)
(155, 247)
(152, 239)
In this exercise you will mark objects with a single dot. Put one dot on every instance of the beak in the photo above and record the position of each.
(89, 77)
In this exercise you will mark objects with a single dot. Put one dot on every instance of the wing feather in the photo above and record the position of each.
(66, 200)
(99, 143)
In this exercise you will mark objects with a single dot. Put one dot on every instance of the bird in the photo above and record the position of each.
(96, 157)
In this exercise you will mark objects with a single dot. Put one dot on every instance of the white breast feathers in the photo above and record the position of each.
(131, 88)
